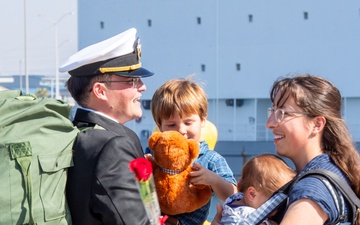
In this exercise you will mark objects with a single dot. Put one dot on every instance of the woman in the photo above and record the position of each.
(308, 129)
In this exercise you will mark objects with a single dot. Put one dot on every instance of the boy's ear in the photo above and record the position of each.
(159, 127)
(203, 121)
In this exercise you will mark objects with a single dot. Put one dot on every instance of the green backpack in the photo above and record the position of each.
(36, 139)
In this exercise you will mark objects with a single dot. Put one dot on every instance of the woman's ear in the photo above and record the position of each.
(318, 124)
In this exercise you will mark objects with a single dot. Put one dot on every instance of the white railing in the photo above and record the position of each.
(258, 132)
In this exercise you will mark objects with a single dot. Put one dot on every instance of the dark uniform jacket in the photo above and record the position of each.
(101, 189)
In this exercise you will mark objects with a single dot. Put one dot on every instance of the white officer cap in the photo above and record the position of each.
(119, 55)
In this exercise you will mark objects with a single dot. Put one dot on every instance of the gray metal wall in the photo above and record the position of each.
(237, 48)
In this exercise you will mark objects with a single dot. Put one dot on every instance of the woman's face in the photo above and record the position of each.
(292, 134)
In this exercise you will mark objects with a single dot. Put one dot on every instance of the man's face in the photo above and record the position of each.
(123, 94)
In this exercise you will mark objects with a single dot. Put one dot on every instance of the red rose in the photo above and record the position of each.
(142, 168)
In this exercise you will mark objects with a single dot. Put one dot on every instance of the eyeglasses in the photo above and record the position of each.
(134, 82)
(280, 113)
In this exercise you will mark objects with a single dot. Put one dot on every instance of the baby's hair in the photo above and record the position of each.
(266, 172)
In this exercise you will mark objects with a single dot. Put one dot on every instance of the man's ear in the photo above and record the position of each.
(99, 90)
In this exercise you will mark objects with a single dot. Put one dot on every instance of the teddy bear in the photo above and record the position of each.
(173, 155)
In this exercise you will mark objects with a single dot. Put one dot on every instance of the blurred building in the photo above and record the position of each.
(237, 48)
(17, 82)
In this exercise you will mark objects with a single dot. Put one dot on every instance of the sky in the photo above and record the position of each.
(42, 19)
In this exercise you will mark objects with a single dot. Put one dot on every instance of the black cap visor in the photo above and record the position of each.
(141, 72)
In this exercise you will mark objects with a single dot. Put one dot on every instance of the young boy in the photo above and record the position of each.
(261, 177)
(181, 105)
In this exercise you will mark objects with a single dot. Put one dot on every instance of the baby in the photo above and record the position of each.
(261, 177)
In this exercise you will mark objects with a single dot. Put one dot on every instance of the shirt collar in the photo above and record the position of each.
(101, 114)
(203, 147)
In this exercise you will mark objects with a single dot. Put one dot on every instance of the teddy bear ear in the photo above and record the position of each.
(194, 148)
(153, 140)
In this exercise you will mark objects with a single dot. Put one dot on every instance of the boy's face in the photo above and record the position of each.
(188, 125)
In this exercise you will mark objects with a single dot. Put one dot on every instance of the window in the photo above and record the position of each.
(203, 68)
(101, 24)
(149, 23)
(306, 16)
(238, 66)
(250, 18)
(199, 20)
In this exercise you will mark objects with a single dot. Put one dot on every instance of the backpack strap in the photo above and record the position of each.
(263, 212)
(341, 186)
(22, 154)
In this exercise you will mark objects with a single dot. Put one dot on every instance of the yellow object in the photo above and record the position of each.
(209, 134)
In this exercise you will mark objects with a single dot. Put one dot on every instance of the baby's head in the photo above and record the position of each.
(180, 104)
(264, 174)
